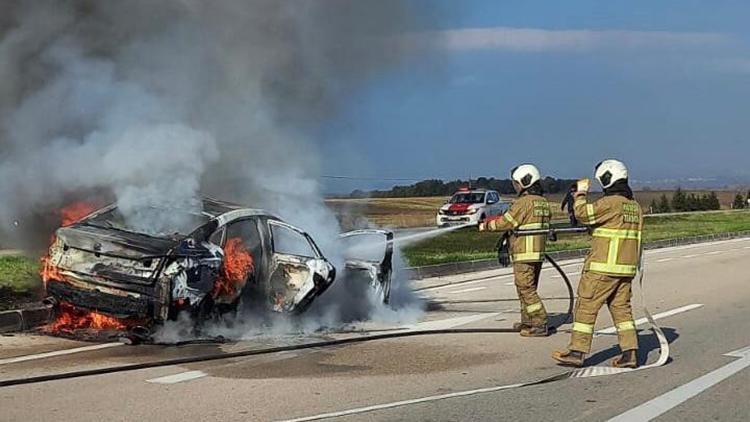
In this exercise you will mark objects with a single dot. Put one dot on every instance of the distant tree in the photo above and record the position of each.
(739, 201)
(664, 204)
(679, 201)
(704, 203)
(654, 207)
(691, 203)
(713, 201)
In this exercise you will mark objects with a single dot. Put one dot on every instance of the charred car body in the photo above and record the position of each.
(230, 256)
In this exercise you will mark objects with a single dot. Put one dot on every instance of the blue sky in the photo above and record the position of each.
(664, 86)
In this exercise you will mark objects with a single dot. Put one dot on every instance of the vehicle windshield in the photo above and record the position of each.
(468, 198)
(151, 221)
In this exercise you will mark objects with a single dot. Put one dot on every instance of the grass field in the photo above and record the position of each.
(420, 212)
(19, 280)
(469, 244)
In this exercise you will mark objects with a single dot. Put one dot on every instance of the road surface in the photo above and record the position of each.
(700, 293)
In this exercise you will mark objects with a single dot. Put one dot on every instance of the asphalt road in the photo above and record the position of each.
(700, 294)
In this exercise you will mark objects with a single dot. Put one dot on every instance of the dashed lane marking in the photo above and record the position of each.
(641, 321)
(37, 356)
(473, 289)
(403, 403)
(181, 377)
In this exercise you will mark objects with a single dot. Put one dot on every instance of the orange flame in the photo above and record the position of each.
(70, 318)
(49, 271)
(238, 263)
(76, 211)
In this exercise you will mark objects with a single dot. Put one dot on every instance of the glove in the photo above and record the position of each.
(583, 186)
(503, 250)
(482, 226)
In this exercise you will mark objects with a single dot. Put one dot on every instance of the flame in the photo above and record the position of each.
(49, 271)
(69, 214)
(238, 263)
(76, 211)
(70, 318)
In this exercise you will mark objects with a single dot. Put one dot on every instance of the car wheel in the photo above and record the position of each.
(482, 218)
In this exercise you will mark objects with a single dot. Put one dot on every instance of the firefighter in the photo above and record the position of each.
(530, 211)
(608, 271)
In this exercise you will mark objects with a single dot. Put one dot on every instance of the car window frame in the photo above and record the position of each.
(310, 241)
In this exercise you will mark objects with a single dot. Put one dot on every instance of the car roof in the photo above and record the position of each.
(473, 191)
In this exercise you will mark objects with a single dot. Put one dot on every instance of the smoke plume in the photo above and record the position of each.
(154, 103)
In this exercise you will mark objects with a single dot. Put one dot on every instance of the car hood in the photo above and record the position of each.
(113, 242)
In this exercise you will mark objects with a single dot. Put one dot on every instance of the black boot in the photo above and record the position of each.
(628, 359)
(569, 358)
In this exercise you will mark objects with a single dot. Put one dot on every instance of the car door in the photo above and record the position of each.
(241, 269)
(299, 272)
(369, 258)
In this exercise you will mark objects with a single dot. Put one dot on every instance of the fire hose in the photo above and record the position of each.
(577, 373)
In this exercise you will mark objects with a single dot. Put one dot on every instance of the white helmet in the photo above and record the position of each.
(526, 175)
(610, 171)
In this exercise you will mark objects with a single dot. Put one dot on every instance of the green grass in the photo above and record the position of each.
(19, 274)
(469, 244)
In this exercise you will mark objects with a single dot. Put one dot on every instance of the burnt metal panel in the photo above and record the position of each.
(119, 306)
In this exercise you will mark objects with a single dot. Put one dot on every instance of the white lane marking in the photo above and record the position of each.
(689, 256)
(662, 404)
(457, 394)
(181, 377)
(579, 261)
(402, 403)
(714, 252)
(444, 324)
(665, 314)
(58, 353)
(510, 283)
(473, 289)
(493, 278)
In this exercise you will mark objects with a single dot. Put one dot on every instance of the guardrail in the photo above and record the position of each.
(452, 268)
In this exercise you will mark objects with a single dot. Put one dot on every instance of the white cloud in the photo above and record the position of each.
(544, 40)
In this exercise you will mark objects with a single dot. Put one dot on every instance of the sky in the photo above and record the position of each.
(663, 86)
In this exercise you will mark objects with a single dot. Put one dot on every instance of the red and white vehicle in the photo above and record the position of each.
(471, 206)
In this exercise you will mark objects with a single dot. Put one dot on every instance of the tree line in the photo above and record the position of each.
(437, 187)
(683, 202)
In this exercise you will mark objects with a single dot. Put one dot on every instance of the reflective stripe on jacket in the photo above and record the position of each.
(618, 224)
(528, 212)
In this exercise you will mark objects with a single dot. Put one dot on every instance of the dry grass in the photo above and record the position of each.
(420, 212)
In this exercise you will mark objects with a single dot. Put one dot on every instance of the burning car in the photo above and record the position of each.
(224, 256)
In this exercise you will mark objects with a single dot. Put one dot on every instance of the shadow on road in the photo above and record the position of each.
(647, 342)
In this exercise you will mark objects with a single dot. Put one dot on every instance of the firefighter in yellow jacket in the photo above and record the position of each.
(609, 269)
(530, 211)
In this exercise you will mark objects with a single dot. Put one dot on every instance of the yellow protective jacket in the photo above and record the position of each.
(527, 212)
(617, 226)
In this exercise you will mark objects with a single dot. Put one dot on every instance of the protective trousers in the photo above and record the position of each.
(527, 279)
(595, 290)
